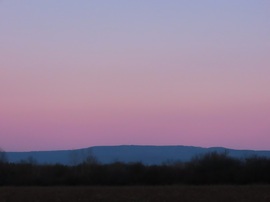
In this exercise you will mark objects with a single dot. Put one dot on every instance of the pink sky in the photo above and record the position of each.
(82, 74)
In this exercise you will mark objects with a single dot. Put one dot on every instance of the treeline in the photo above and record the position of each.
(212, 168)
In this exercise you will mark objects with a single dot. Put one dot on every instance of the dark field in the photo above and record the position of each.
(139, 193)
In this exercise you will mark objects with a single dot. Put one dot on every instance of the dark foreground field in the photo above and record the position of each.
(140, 193)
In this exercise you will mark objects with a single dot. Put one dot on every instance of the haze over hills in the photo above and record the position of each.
(148, 155)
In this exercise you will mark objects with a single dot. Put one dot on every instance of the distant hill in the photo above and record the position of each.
(148, 155)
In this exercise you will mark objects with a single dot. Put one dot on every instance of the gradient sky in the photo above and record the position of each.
(82, 73)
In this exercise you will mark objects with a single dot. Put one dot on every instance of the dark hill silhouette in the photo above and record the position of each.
(148, 155)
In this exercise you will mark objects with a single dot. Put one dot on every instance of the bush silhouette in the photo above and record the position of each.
(211, 168)
(214, 167)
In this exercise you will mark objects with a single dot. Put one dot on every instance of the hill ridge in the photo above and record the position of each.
(146, 154)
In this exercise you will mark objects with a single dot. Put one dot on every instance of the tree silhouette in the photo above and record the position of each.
(89, 158)
(3, 156)
(85, 156)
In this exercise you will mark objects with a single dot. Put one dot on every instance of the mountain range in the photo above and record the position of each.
(148, 155)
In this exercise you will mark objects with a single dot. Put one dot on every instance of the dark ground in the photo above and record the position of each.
(224, 193)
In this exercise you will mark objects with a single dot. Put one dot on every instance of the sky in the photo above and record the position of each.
(82, 73)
